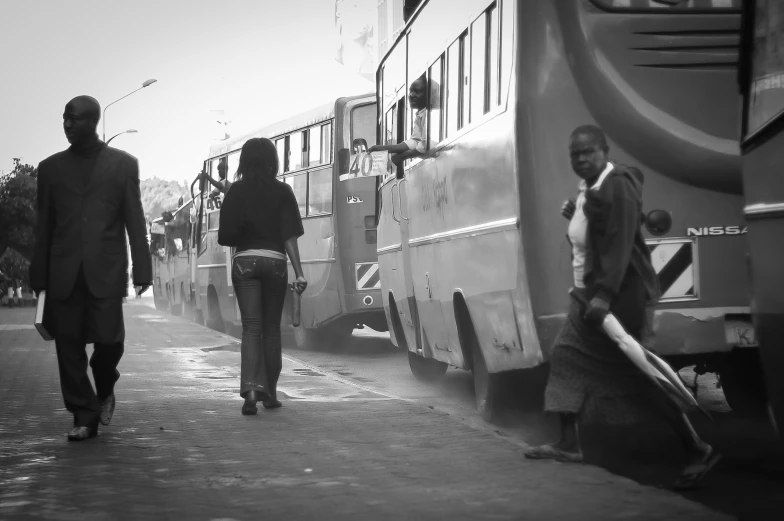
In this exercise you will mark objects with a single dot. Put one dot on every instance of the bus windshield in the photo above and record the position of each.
(669, 6)
(765, 100)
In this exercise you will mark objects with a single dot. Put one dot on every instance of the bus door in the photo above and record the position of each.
(762, 83)
(212, 281)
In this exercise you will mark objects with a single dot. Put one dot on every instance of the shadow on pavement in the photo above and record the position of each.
(747, 483)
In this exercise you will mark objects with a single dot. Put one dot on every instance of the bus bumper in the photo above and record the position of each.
(702, 331)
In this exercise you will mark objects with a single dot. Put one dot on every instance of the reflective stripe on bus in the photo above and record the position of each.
(674, 261)
(368, 276)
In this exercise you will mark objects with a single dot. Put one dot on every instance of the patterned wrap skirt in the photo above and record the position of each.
(592, 378)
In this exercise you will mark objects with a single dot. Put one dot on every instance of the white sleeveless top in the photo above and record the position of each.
(578, 229)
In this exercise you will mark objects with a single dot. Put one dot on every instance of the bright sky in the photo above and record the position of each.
(259, 60)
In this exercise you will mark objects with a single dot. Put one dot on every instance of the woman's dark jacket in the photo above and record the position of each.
(618, 266)
(259, 215)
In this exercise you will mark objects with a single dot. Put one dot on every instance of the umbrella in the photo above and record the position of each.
(651, 365)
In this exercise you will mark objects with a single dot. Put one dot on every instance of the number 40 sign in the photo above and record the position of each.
(367, 164)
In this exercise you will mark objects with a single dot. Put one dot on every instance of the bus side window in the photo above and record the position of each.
(233, 163)
(295, 151)
(507, 24)
(477, 68)
(280, 146)
(320, 192)
(493, 43)
(326, 142)
(435, 102)
(203, 239)
(214, 221)
(390, 131)
(299, 184)
(454, 87)
(314, 146)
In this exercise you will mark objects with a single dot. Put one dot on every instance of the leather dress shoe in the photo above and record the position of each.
(82, 433)
(107, 409)
(249, 408)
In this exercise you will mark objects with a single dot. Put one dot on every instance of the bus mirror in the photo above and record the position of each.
(344, 161)
(202, 185)
(359, 145)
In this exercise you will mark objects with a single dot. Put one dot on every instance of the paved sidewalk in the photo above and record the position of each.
(178, 447)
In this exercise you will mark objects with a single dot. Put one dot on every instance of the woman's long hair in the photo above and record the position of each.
(258, 161)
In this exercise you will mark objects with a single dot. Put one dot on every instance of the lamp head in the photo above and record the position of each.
(149, 82)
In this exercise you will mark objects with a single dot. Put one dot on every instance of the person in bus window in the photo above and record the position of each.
(416, 145)
(591, 380)
(260, 218)
(222, 184)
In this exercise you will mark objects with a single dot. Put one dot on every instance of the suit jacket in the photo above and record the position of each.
(85, 225)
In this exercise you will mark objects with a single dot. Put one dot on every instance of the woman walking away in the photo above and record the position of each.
(591, 380)
(260, 218)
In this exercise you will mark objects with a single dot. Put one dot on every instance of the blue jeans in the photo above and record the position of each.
(260, 284)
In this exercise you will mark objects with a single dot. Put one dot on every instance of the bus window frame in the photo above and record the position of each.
(773, 124)
(598, 4)
(329, 145)
(475, 113)
(284, 167)
(504, 9)
(210, 220)
(440, 61)
(308, 205)
(305, 169)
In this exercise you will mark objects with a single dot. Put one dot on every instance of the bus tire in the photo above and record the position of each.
(214, 318)
(426, 369)
(743, 383)
(178, 308)
(485, 384)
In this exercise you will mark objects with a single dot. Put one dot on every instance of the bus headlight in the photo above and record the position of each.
(658, 222)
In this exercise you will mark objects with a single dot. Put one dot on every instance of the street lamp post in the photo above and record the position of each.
(129, 131)
(145, 84)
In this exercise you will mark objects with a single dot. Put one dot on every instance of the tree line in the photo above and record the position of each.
(18, 213)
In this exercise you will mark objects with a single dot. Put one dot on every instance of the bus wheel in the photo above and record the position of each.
(307, 338)
(485, 384)
(426, 369)
(176, 309)
(743, 383)
(214, 318)
(198, 316)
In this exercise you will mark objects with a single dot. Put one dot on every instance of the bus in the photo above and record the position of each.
(762, 84)
(338, 250)
(475, 266)
(170, 247)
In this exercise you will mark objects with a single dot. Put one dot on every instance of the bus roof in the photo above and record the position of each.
(301, 120)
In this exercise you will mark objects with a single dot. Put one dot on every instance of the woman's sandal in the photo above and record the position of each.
(549, 452)
(693, 473)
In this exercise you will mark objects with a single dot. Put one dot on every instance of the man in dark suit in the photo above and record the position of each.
(88, 196)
